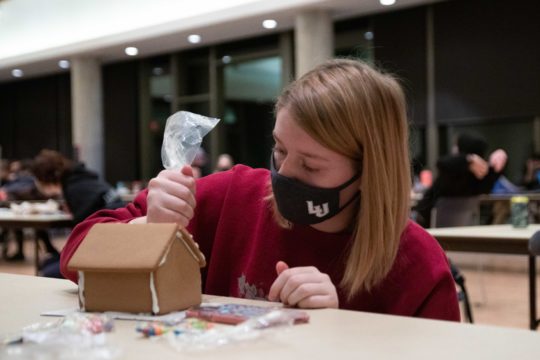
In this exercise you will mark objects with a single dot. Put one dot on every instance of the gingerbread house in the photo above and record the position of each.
(138, 268)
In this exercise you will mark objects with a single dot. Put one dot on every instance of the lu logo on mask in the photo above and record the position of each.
(304, 204)
(317, 210)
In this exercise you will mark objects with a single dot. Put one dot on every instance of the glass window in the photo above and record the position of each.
(250, 88)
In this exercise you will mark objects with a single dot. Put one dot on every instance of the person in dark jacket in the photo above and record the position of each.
(462, 173)
(82, 189)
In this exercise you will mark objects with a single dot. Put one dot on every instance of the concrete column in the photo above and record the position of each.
(432, 129)
(314, 40)
(87, 113)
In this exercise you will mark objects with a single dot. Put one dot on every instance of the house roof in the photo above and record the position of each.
(124, 247)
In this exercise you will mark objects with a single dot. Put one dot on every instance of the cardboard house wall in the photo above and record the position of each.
(139, 268)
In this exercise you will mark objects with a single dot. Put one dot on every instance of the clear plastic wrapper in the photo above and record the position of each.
(77, 336)
(252, 329)
(183, 136)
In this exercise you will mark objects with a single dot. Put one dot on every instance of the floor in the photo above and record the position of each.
(497, 284)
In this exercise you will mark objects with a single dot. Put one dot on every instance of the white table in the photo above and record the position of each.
(11, 220)
(498, 239)
(330, 334)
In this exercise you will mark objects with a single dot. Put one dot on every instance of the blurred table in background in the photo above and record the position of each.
(495, 239)
(11, 220)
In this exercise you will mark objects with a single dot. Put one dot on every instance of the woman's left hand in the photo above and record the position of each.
(305, 287)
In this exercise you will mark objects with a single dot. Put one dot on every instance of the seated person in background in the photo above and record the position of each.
(531, 182)
(531, 176)
(463, 173)
(224, 162)
(4, 173)
(20, 186)
(82, 190)
(328, 226)
(199, 163)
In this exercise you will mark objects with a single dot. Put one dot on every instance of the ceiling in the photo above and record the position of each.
(36, 34)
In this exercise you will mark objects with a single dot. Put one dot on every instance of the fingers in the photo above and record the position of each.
(279, 283)
(281, 266)
(174, 205)
(498, 160)
(300, 286)
(273, 294)
(187, 170)
(171, 197)
(477, 166)
(318, 302)
(173, 188)
(304, 287)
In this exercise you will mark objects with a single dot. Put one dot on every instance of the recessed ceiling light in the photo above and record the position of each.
(226, 59)
(64, 64)
(17, 73)
(194, 38)
(387, 2)
(269, 24)
(157, 71)
(131, 51)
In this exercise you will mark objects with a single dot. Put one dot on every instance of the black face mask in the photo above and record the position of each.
(303, 204)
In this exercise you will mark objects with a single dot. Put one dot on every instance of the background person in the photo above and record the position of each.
(531, 175)
(19, 185)
(462, 173)
(328, 226)
(224, 162)
(82, 190)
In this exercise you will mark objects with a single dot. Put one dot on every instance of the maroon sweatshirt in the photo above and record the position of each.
(234, 227)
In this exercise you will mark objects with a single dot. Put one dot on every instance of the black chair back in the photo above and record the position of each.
(456, 211)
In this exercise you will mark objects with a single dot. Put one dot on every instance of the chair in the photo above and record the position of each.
(534, 244)
(457, 211)
(534, 249)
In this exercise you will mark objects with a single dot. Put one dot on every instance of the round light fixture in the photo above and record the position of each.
(131, 51)
(64, 64)
(194, 38)
(157, 71)
(269, 24)
(17, 73)
(226, 59)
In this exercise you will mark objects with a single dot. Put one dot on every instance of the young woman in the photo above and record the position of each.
(328, 226)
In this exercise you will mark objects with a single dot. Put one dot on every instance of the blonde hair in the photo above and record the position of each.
(358, 112)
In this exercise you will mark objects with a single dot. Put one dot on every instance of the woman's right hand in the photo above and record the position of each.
(171, 197)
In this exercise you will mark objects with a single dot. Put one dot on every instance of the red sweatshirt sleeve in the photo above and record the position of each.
(438, 306)
(133, 210)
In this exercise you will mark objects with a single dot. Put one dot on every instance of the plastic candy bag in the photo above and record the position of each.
(252, 329)
(183, 135)
(77, 336)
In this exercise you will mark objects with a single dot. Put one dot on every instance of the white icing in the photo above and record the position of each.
(81, 290)
(155, 305)
(164, 258)
(187, 246)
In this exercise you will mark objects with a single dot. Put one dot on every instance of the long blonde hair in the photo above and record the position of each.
(358, 112)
